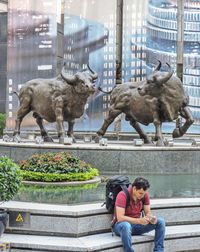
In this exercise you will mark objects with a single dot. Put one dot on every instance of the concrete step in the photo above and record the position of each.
(87, 219)
(178, 238)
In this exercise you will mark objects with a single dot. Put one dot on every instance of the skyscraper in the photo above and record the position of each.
(161, 43)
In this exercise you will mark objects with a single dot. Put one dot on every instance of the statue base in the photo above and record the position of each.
(181, 156)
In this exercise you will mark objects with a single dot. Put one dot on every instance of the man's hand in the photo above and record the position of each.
(151, 219)
(144, 221)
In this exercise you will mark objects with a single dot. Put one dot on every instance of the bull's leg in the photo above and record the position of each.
(158, 134)
(139, 130)
(112, 114)
(70, 131)
(59, 119)
(44, 134)
(181, 130)
(21, 113)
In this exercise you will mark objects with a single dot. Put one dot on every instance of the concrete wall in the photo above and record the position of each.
(114, 159)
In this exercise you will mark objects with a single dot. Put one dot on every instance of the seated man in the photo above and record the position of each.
(129, 220)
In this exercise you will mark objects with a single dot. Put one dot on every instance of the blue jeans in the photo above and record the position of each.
(125, 230)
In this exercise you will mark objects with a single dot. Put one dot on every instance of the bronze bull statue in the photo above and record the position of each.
(160, 98)
(56, 100)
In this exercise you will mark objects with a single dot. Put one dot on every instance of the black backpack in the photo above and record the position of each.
(113, 186)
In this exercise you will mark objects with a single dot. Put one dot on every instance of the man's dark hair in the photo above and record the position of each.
(141, 183)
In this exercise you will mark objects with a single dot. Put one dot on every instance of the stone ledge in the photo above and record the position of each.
(92, 209)
(69, 183)
(112, 145)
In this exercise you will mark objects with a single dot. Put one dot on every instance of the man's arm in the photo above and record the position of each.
(147, 210)
(120, 214)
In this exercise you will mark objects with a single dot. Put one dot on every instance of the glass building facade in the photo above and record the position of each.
(37, 47)
(31, 49)
(3, 53)
(90, 38)
(161, 44)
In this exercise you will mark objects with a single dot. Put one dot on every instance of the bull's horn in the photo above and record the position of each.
(157, 67)
(165, 77)
(69, 79)
(94, 75)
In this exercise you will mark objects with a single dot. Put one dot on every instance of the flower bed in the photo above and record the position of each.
(52, 167)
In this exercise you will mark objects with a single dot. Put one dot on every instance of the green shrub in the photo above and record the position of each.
(2, 123)
(61, 166)
(10, 178)
(54, 177)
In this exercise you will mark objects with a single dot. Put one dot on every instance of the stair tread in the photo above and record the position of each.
(97, 241)
(85, 209)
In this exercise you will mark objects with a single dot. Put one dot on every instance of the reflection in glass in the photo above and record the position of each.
(149, 34)
(32, 31)
(162, 186)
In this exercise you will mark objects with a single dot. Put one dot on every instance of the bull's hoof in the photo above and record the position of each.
(16, 139)
(147, 140)
(61, 140)
(72, 137)
(97, 138)
(160, 143)
(48, 139)
(176, 133)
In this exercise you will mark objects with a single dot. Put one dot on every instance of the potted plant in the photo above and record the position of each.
(10, 180)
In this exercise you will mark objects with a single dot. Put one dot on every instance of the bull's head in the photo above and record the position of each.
(83, 81)
(155, 82)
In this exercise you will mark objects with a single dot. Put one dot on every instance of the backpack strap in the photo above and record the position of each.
(143, 201)
(142, 211)
(125, 190)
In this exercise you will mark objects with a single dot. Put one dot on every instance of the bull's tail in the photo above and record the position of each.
(105, 92)
(186, 101)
